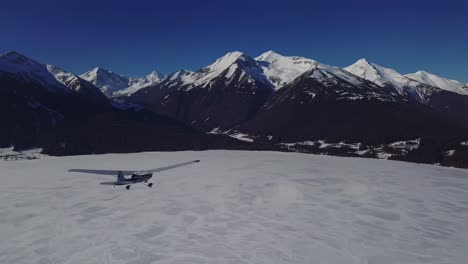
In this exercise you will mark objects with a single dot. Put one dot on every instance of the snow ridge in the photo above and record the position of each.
(434, 80)
(384, 77)
(108, 81)
(281, 70)
(228, 65)
(113, 84)
(380, 75)
(29, 70)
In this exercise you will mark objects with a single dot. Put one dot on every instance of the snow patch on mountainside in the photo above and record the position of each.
(179, 75)
(377, 151)
(322, 144)
(234, 134)
(66, 78)
(281, 70)
(61, 75)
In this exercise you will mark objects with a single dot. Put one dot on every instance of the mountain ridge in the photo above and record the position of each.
(276, 102)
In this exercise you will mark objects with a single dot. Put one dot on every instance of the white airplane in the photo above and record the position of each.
(137, 175)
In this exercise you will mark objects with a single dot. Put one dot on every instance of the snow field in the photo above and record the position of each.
(233, 207)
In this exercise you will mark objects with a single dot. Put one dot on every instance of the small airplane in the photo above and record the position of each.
(137, 175)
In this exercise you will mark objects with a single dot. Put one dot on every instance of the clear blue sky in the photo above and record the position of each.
(134, 37)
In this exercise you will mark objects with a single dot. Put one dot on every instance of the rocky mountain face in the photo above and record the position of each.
(279, 100)
(274, 102)
(78, 85)
(222, 95)
(47, 107)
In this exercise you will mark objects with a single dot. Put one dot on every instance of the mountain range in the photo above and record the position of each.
(272, 101)
(113, 85)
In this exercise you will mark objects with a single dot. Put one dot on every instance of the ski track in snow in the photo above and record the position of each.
(234, 207)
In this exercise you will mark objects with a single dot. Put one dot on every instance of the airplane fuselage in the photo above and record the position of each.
(135, 178)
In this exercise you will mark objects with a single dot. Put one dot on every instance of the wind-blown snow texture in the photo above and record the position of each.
(234, 207)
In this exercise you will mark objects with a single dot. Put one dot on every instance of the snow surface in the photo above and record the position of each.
(234, 207)
(434, 80)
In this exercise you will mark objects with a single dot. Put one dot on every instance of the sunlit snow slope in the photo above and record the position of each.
(234, 207)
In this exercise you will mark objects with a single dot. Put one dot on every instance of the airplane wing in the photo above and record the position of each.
(170, 167)
(115, 172)
(104, 172)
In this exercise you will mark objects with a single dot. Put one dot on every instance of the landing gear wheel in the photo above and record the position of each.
(150, 184)
(128, 187)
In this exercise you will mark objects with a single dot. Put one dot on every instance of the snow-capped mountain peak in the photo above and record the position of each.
(97, 72)
(225, 61)
(366, 70)
(281, 70)
(108, 81)
(77, 84)
(380, 75)
(152, 78)
(113, 84)
(434, 80)
(268, 56)
(230, 62)
(155, 76)
(135, 84)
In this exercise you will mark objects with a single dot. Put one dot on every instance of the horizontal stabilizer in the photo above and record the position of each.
(103, 172)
